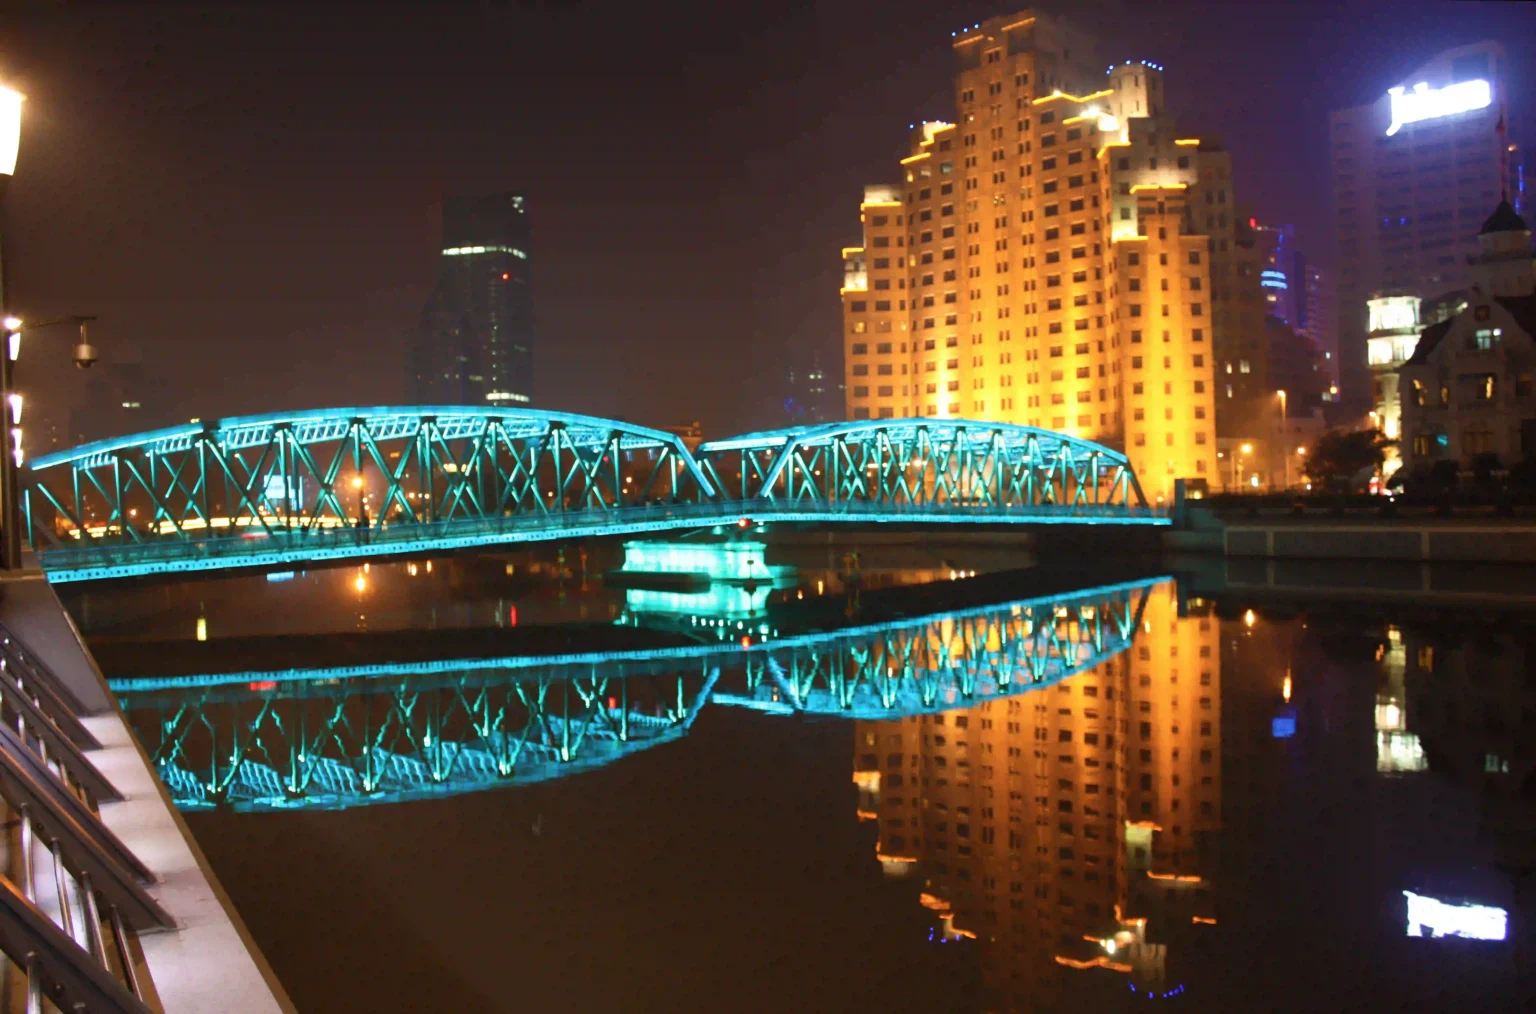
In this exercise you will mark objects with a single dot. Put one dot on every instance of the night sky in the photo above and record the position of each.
(246, 196)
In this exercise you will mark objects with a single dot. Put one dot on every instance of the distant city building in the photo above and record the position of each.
(811, 395)
(1295, 367)
(1060, 256)
(120, 398)
(1466, 391)
(1282, 275)
(1413, 174)
(1323, 320)
(474, 343)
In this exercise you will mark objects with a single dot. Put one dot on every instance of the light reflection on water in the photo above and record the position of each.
(1234, 805)
(543, 586)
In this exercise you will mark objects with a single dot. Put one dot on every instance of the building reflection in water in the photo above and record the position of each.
(1397, 749)
(1068, 829)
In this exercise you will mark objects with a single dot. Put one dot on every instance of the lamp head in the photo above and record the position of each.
(10, 129)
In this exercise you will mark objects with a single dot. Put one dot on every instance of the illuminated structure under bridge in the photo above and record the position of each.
(365, 734)
(361, 483)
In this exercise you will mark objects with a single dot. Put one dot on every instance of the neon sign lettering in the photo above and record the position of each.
(1426, 103)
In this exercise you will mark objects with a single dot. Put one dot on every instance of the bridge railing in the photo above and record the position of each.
(260, 547)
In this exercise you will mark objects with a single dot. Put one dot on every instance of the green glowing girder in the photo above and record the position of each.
(294, 474)
(365, 734)
(277, 490)
(948, 661)
(955, 462)
(343, 744)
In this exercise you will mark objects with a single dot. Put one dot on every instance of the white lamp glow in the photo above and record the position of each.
(10, 129)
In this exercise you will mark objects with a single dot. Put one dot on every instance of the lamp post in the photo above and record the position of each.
(10, 146)
(1237, 465)
(11, 460)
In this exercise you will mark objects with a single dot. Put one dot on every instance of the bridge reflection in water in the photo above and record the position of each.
(354, 735)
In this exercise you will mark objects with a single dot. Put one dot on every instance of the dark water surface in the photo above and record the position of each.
(1222, 810)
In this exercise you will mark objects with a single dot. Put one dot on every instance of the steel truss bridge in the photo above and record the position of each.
(325, 738)
(333, 484)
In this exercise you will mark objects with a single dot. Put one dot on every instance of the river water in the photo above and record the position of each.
(862, 777)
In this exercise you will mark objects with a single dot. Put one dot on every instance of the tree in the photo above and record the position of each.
(1339, 456)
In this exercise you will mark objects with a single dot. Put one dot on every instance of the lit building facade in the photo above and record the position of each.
(1042, 260)
(1466, 391)
(1393, 335)
(1070, 827)
(1413, 174)
(474, 343)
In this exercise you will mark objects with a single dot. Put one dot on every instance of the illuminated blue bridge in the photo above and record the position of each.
(356, 735)
(276, 490)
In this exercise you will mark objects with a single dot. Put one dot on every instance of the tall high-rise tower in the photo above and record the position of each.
(1041, 260)
(474, 344)
(1414, 173)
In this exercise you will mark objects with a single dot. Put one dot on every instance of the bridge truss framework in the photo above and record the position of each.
(280, 489)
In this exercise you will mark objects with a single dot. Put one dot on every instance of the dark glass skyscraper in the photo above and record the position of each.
(474, 344)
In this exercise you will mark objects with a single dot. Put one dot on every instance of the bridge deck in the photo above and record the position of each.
(280, 547)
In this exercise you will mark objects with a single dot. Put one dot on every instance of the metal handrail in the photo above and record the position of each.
(55, 965)
(46, 779)
(49, 692)
(59, 746)
(15, 752)
(80, 849)
(15, 647)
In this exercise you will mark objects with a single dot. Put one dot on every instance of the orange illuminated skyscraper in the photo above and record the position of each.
(1040, 260)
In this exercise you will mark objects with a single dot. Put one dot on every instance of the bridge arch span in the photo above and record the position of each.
(357, 483)
(923, 461)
